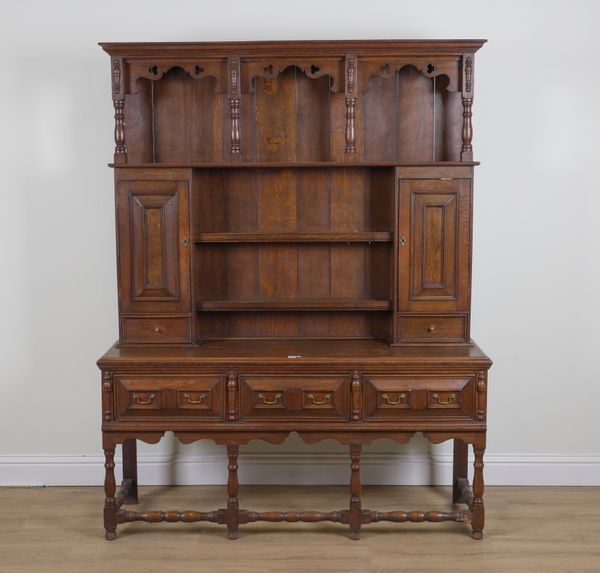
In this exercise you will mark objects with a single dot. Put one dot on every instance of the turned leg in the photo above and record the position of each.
(110, 486)
(233, 504)
(459, 470)
(478, 508)
(130, 469)
(355, 505)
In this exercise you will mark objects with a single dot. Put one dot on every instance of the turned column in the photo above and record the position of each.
(466, 153)
(110, 486)
(118, 97)
(233, 504)
(234, 95)
(478, 509)
(350, 100)
(355, 504)
(459, 470)
(130, 469)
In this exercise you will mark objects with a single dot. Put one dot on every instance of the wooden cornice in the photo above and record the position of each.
(317, 48)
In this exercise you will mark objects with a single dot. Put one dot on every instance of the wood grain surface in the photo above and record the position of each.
(528, 529)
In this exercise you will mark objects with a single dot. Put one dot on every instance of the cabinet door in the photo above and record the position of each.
(153, 244)
(434, 231)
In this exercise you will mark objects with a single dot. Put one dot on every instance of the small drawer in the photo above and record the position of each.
(409, 397)
(192, 397)
(156, 329)
(432, 328)
(298, 397)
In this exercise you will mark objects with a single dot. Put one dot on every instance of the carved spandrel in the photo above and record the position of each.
(154, 70)
(312, 69)
(428, 67)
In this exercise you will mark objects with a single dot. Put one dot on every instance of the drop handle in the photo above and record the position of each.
(190, 400)
(268, 402)
(438, 399)
(143, 401)
(326, 398)
(399, 399)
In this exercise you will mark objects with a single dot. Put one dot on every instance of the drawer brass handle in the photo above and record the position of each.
(451, 399)
(430, 328)
(143, 402)
(399, 400)
(190, 400)
(157, 329)
(268, 402)
(316, 402)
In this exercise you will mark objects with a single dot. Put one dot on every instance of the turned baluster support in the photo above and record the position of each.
(477, 504)
(466, 153)
(233, 504)
(355, 502)
(110, 486)
(350, 100)
(234, 94)
(118, 97)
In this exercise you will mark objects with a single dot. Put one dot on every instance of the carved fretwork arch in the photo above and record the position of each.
(154, 71)
(448, 70)
(312, 70)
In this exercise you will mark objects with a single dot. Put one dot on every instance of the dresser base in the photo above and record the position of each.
(353, 392)
(354, 517)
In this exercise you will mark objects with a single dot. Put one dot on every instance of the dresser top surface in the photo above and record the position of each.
(342, 353)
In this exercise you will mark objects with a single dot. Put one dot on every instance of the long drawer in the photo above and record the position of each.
(294, 397)
(159, 396)
(405, 397)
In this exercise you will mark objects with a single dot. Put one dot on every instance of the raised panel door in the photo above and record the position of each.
(154, 250)
(434, 245)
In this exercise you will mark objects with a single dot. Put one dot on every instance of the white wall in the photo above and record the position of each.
(537, 237)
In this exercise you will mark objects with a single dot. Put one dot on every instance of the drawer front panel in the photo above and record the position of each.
(193, 397)
(409, 397)
(432, 328)
(298, 397)
(157, 329)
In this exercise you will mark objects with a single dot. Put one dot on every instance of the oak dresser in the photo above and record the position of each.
(294, 239)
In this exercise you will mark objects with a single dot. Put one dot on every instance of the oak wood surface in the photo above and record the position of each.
(294, 238)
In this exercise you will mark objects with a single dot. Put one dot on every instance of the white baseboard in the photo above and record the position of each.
(302, 468)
